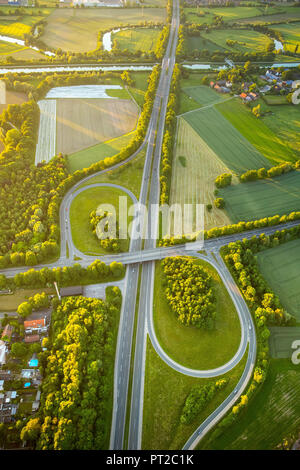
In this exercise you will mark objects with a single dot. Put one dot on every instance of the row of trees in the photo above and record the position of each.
(168, 140)
(98, 271)
(240, 227)
(198, 398)
(189, 291)
(262, 173)
(77, 376)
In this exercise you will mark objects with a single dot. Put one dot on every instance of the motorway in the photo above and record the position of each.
(145, 256)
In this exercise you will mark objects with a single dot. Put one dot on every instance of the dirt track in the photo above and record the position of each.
(82, 123)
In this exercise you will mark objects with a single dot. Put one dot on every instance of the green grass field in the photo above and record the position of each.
(257, 132)
(263, 198)
(225, 140)
(206, 15)
(284, 122)
(128, 175)
(191, 347)
(281, 268)
(281, 341)
(246, 40)
(65, 25)
(200, 43)
(139, 39)
(87, 157)
(80, 210)
(280, 13)
(10, 302)
(165, 393)
(203, 95)
(271, 415)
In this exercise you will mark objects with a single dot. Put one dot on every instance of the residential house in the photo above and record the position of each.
(8, 412)
(32, 338)
(36, 326)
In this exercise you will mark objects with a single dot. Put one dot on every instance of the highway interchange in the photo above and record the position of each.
(145, 256)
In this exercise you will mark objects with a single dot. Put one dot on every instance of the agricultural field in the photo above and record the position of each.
(83, 204)
(225, 140)
(246, 40)
(65, 25)
(286, 13)
(267, 142)
(203, 95)
(139, 39)
(281, 341)
(12, 97)
(191, 346)
(263, 198)
(165, 393)
(280, 267)
(22, 53)
(82, 123)
(17, 26)
(270, 416)
(291, 35)
(200, 43)
(284, 122)
(206, 15)
(194, 170)
(46, 144)
(85, 158)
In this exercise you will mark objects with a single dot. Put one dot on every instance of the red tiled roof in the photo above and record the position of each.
(32, 339)
(35, 323)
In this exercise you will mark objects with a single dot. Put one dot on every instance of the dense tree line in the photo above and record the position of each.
(198, 398)
(240, 227)
(189, 291)
(77, 379)
(96, 272)
(28, 231)
(169, 135)
(262, 173)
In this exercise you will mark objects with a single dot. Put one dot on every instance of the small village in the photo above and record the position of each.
(21, 342)
(250, 91)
